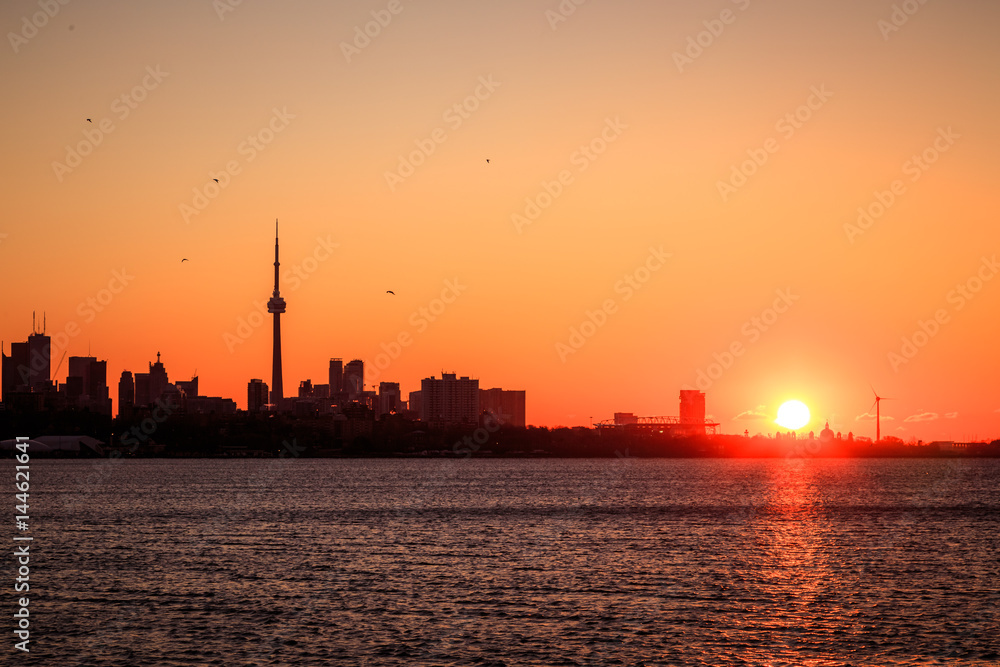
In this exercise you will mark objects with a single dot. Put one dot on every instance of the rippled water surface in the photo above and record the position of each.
(514, 562)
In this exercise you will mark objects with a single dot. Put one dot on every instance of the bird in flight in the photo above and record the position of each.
(216, 180)
(389, 291)
(90, 121)
(184, 260)
(487, 160)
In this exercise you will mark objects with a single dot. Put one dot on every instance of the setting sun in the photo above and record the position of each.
(793, 415)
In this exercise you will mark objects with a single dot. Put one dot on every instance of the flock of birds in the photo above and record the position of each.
(388, 291)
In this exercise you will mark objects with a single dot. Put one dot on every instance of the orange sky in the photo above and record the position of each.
(666, 121)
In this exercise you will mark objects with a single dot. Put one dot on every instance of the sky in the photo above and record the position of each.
(762, 200)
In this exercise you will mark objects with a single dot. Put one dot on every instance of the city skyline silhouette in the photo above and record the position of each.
(686, 209)
(591, 333)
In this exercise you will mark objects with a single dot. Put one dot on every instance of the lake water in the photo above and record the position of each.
(513, 562)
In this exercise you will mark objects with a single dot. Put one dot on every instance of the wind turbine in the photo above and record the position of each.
(878, 413)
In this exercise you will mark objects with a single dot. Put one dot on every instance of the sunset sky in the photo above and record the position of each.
(715, 155)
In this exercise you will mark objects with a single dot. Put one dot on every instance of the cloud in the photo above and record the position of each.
(869, 417)
(922, 417)
(752, 415)
(951, 415)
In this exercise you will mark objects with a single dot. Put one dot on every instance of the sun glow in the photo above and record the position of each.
(793, 415)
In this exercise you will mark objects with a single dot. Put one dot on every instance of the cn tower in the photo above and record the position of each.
(276, 306)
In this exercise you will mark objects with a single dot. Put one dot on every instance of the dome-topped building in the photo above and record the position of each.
(826, 435)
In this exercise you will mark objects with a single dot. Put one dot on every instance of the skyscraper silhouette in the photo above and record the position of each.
(450, 400)
(28, 368)
(276, 306)
(354, 378)
(126, 395)
(256, 395)
(336, 376)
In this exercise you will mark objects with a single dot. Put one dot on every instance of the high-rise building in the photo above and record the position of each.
(97, 384)
(206, 405)
(28, 368)
(79, 367)
(354, 378)
(73, 389)
(151, 386)
(11, 377)
(369, 399)
(416, 403)
(692, 416)
(158, 380)
(19, 362)
(506, 406)
(450, 400)
(99, 377)
(389, 398)
(256, 395)
(305, 389)
(87, 384)
(39, 362)
(189, 388)
(336, 376)
(126, 395)
(276, 306)
(142, 393)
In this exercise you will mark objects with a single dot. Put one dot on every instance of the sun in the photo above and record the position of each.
(793, 415)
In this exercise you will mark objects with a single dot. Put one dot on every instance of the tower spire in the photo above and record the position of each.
(276, 306)
(276, 263)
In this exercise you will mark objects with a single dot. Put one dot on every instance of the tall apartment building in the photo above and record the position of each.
(450, 400)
